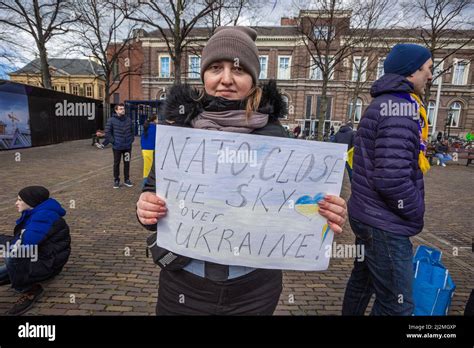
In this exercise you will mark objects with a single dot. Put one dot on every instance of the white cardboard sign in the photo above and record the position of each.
(243, 199)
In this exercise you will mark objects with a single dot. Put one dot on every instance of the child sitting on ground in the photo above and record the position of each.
(39, 248)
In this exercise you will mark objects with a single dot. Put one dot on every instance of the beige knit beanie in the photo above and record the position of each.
(235, 44)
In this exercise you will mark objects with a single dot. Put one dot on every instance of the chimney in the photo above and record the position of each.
(287, 21)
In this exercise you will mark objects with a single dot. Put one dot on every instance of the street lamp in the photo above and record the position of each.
(449, 119)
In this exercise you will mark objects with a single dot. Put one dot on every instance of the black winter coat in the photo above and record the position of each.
(119, 132)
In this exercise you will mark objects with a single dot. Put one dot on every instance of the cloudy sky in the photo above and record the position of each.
(269, 14)
(273, 9)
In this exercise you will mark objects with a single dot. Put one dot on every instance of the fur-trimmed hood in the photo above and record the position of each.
(182, 104)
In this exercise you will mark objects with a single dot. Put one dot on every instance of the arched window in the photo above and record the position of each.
(455, 108)
(430, 112)
(162, 96)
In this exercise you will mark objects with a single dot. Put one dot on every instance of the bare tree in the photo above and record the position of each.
(326, 34)
(373, 31)
(174, 20)
(229, 12)
(438, 23)
(8, 52)
(95, 31)
(42, 20)
(7, 45)
(225, 13)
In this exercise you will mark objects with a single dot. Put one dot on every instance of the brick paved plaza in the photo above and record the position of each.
(108, 273)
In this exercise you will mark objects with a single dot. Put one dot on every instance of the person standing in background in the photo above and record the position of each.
(119, 132)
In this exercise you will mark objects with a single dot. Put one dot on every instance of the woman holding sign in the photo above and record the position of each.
(231, 101)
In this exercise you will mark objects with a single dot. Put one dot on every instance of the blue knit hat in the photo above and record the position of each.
(405, 59)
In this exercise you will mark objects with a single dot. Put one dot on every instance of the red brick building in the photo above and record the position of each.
(284, 57)
(128, 71)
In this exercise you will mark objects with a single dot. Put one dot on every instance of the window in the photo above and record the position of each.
(358, 110)
(89, 91)
(263, 67)
(116, 98)
(430, 112)
(455, 108)
(55, 87)
(194, 67)
(164, 68)
(380, 69)
(309, 105)
(101, 92)
(315, 72)
(75, 89)
(460, 72)
(284, 66)
(287, 103)
(328, 109)
(162, 96)
(437, 69)
(63, 88)
(322, 32)
(359, 68)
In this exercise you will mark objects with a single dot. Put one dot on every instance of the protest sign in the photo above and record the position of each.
(249, 200)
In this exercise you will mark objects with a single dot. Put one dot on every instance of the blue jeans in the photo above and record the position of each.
(443, 158)
(386, 270)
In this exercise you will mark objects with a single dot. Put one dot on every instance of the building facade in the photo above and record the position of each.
(82, 77)
(126, 83)
(285, 57)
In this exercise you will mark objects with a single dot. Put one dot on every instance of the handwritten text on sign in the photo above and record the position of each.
(242, 199)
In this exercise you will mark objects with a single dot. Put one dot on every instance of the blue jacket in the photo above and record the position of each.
(38, 221)
(119, 132)
(44, 226)
(387, 183)
(148, 140)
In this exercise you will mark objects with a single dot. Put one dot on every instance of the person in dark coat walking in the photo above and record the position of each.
(38, 249)
(345, 135)
(387, 204)
(232, 101)
(119, 132)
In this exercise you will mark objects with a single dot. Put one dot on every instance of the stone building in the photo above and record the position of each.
(81, 77)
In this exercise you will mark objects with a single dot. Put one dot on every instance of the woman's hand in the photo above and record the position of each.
(334, 209)
(150, 208)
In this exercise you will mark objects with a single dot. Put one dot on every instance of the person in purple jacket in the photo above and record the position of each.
(387, 205)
